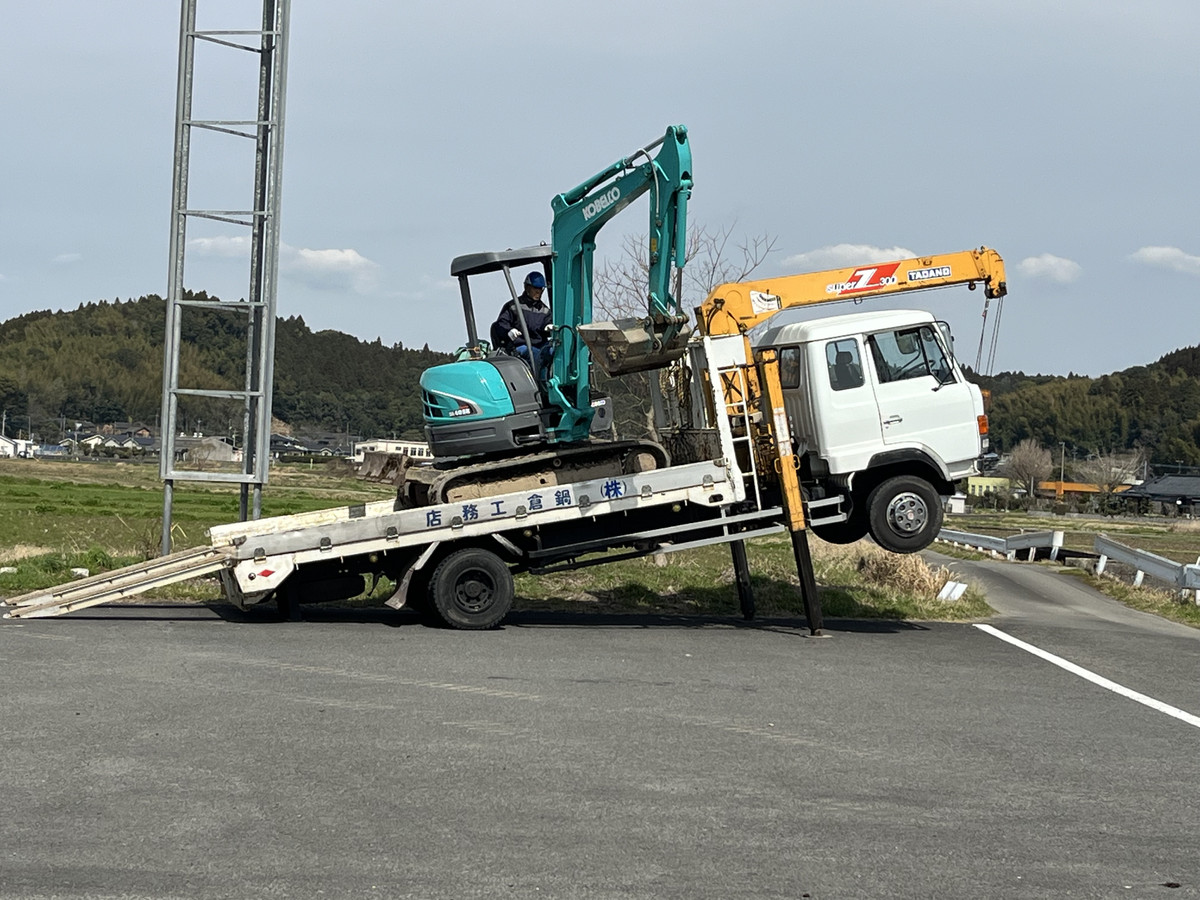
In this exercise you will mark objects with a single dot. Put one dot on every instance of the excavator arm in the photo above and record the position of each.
(736, 307)
(626, 345)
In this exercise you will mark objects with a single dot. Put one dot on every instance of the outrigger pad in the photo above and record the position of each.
(631, 345)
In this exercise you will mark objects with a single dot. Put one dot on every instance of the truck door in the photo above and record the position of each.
(842, 424)
(924, 401)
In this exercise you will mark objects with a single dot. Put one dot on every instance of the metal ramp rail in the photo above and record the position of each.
(119, 583)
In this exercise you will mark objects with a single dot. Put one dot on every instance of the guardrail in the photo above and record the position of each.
(1010, 546)
(1186, 578)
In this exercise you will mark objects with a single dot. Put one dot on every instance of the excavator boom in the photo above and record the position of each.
(629, 345)
(736, 307)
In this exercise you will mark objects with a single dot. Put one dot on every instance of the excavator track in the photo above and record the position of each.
(470, 479)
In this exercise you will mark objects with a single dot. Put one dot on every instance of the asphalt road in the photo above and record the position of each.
(188, 752)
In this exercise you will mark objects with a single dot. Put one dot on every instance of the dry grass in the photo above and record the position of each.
(855, 581)
(1148, 598)
(22, 551)
(907, 573)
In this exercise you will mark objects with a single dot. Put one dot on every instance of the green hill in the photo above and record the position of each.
(103, 363)
(1154, 407)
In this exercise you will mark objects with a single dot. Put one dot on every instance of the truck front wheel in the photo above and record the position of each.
(905, 514)
(471, 588)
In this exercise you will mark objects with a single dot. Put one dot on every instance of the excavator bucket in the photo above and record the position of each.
(384, 468)
(633, 345)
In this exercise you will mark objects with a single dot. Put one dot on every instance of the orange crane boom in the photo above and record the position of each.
(735, 307)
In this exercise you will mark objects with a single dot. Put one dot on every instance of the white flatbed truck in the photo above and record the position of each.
(459, 557)
(754, 457)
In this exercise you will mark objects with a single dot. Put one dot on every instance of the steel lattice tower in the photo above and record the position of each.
(256, 311)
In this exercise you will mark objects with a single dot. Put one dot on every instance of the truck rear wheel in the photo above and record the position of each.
(905, 514)
(471, 588)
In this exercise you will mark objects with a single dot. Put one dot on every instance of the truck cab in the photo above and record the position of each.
(874, 399)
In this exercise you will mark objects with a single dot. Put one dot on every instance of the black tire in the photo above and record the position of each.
(905, 514)
(853, 529)
(471, 589)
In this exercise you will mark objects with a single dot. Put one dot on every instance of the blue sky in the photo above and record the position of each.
(1063, 135)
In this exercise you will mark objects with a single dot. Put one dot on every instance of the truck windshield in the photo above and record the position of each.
(909, 353)
(947, 337)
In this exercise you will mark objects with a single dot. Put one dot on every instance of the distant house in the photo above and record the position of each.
(415, 449)
(134, 428)
(1177, 493)
(1074, 489)
(206, 449)
(131, 442)
(327, 443)
(982, 485)
(17, 447)
(285, 445)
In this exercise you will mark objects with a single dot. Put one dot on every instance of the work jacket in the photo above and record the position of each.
(506, 332)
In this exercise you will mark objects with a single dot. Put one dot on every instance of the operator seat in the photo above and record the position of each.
(845, 373)
(498, 337)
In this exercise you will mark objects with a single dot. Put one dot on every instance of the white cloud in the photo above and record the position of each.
(330, 269)
(323, 269)
(1051, 268)
(1168, 258)
(840, 256)
(225, 247)
(65, 259)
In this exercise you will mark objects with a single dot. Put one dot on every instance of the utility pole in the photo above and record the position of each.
(1062, 467)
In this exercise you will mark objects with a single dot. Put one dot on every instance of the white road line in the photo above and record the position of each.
(1094, 678)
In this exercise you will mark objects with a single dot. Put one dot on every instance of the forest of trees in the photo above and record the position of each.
(102, 363)
(1153, 408)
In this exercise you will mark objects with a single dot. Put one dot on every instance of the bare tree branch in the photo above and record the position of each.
(619, 291)
(619, 288)
(1108, 471)
(1027, 464)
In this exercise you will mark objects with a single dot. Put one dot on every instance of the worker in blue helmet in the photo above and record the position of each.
(506, 330)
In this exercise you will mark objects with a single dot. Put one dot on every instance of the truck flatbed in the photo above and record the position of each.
(658, 511)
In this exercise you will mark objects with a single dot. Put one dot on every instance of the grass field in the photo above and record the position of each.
(100, 515)
(70, 507)
(55, 515)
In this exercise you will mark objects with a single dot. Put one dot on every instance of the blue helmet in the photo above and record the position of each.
(535, 279)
